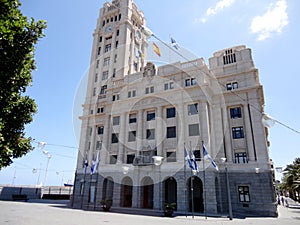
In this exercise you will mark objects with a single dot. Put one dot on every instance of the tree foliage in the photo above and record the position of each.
(18, 37)
(291, 179)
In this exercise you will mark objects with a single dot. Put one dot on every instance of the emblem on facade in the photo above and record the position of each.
(149, 70)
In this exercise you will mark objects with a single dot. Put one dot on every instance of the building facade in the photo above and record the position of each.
(135, 111)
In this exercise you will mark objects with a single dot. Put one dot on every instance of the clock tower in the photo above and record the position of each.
(119, 47)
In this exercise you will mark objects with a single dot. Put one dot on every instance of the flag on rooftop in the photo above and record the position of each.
(174, 43)
(156, 49)
(188, 159)
(206, 156)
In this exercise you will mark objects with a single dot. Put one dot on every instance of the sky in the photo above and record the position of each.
(268, 27)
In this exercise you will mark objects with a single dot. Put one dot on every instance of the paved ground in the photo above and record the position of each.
(54, 213)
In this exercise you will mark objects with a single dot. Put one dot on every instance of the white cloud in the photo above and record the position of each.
(221, 5)
(271, 22)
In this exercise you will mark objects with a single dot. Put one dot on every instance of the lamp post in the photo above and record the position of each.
(228, 190)
(157, 160)
(49, 156)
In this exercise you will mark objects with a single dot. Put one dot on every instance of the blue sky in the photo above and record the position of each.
(268, 27)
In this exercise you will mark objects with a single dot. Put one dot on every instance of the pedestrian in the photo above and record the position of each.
(282, 200)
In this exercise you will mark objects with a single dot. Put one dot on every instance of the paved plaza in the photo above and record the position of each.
(57, 213)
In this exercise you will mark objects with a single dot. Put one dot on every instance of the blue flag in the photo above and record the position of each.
(187, 157)
(174, 43)
(194, 160)
(206, 156)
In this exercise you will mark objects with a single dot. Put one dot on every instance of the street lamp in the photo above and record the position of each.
(49, 156)
(228, 189)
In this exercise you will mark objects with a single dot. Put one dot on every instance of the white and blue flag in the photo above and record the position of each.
(206, 156)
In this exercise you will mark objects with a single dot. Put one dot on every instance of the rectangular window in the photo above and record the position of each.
(97, 64)
(131, 94)
(118, 32)
(171, 132)
(131, 136)
(149, 90)
(115, 59)
(117, 44)
(238, 132)
(166, 86)
(193, 81)
(135, 65)
(193, 109)
(171, 85)
(235, 113)
(114, 73)
(194, 129)
(190, 82)
(103, 90)
(100, 130)
(150, 115)
(197, 154)
(231, 86)
(94, 91)
(240, 157)
(115, 97)
(171, 112)
(150, 134)
(244, 195)
(229, 57)
(100, 39)
(132, 118)
(100, 110)
(106, 61)
(114, 138)
(171, 156)
(96, 77)
(113, 159)
(105, 75)
(116, 120)
(98, 145)
(130, 158)
(99, 51)
(235, 85)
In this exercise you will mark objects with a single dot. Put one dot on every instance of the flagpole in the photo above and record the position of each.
(192, 190)
(204, 186)
(185, 192)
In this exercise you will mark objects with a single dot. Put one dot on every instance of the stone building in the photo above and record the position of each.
(135, 111)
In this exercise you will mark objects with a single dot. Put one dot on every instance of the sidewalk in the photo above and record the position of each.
(290, 203)
(56, 212)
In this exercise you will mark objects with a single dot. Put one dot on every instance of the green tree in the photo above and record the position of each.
(291, 179)
(18, 37)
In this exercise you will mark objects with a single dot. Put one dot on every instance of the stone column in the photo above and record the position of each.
(227, 135)
(181, 131)
(248, 133)
(159, 131)
(139, 135)
(204, 124)
(122, 138)
(104, 152)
